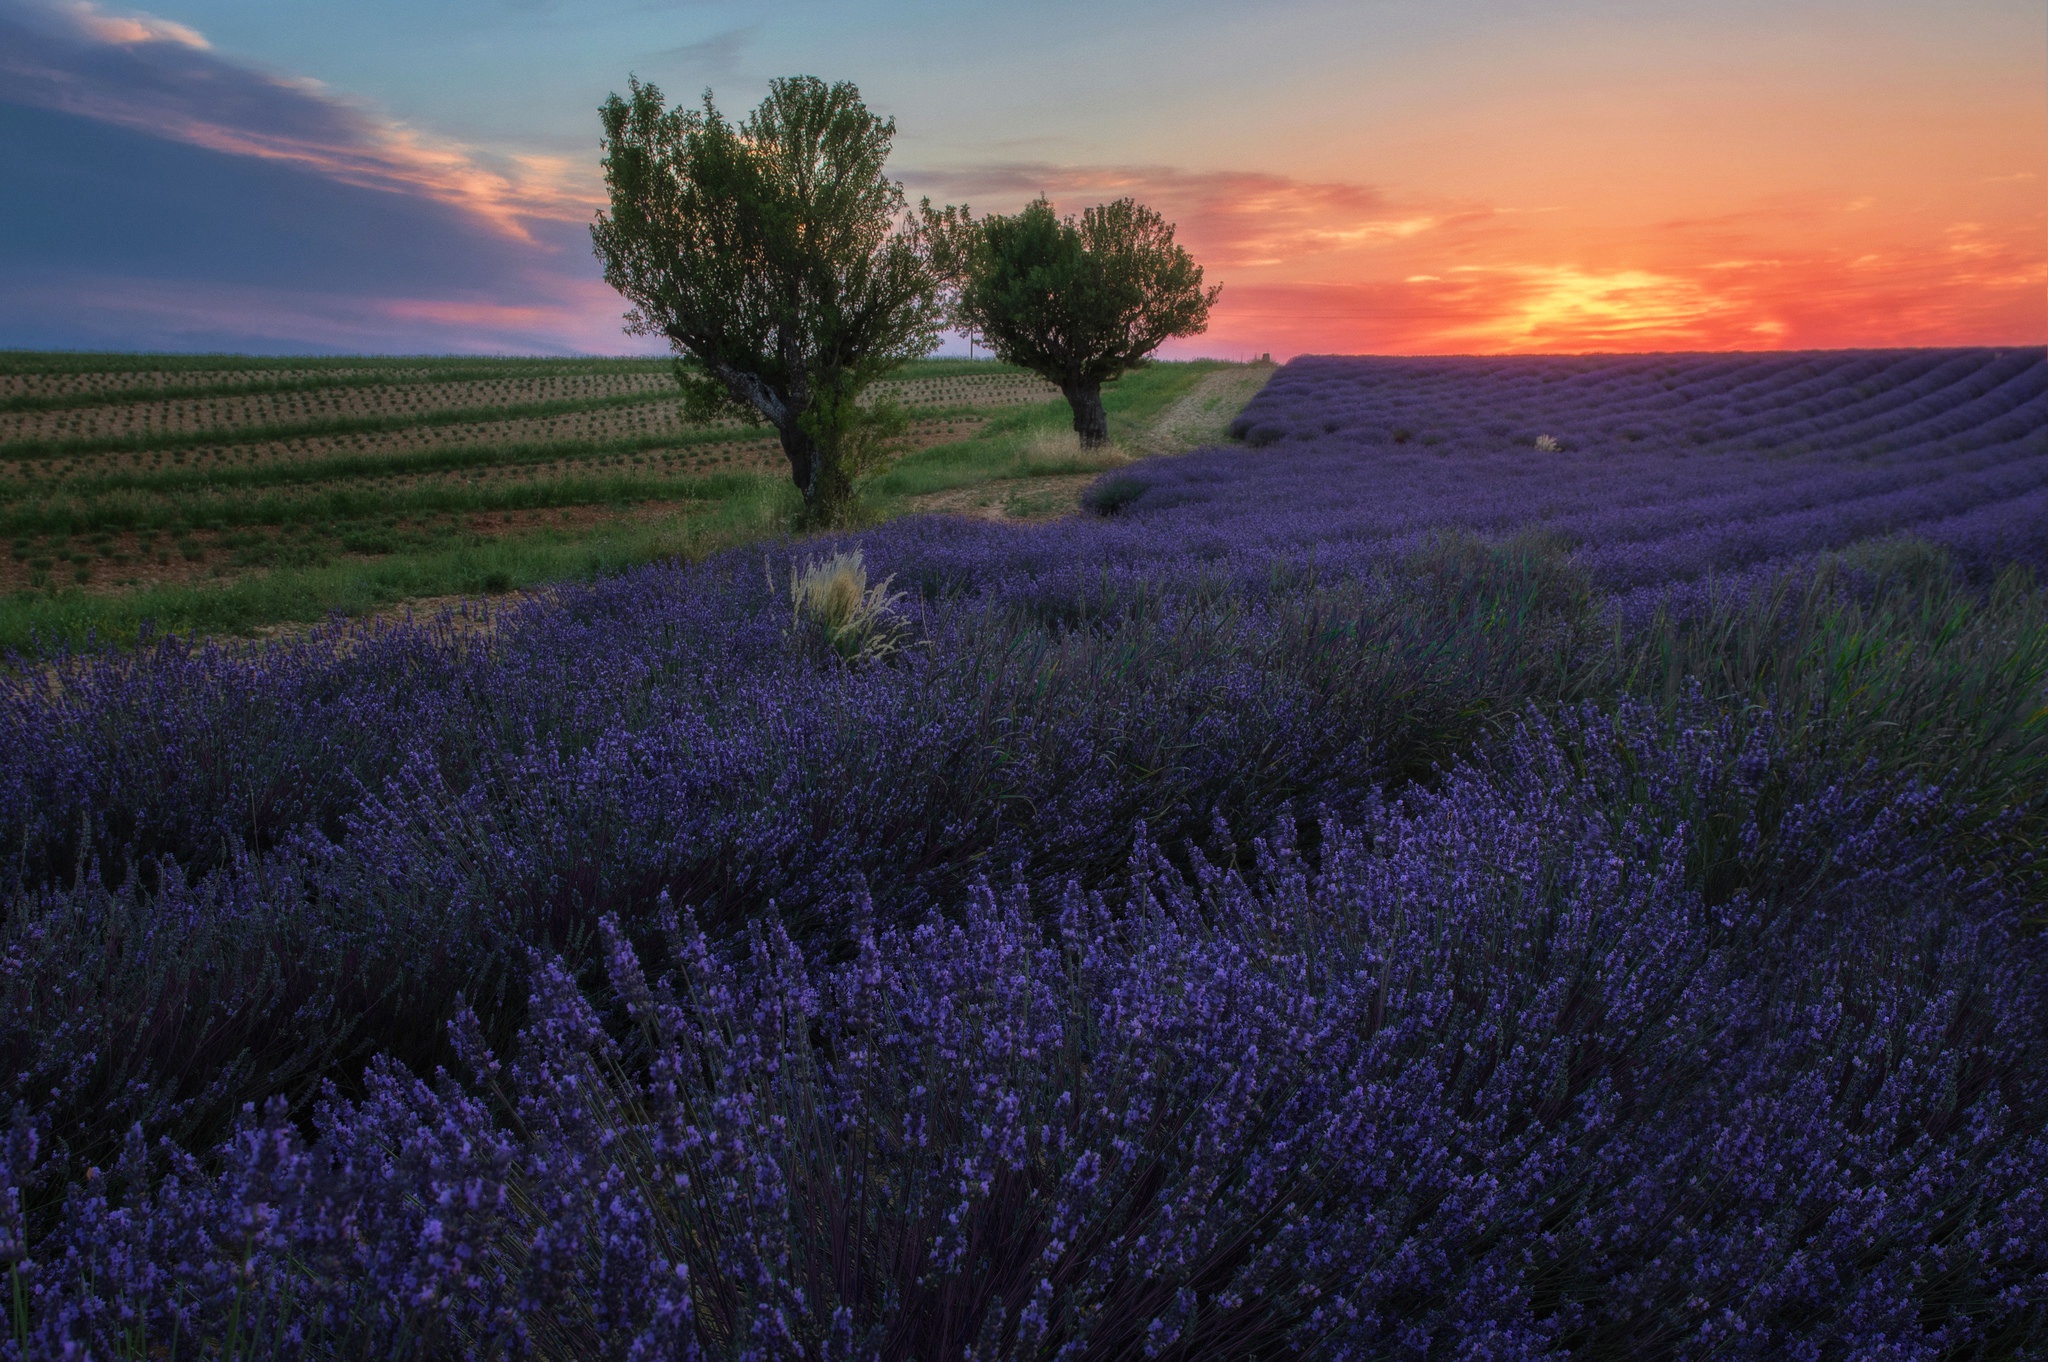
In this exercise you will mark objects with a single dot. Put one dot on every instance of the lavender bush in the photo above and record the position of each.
(1390, 890)
(1490, 1077)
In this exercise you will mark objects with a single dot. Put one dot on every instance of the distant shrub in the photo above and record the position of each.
(1111, 495)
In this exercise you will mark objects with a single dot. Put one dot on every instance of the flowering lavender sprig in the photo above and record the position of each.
(1491, 1072)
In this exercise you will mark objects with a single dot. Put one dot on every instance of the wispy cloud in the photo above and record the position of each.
(161, 194)
(263, 209)
(122, 312)
(164, 79)
(128, 30)
(1228, 218)
(717, 55)
(1545, 306)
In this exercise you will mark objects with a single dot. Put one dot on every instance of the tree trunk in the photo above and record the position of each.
(1091, 422)
(818, 473)
(802, 452)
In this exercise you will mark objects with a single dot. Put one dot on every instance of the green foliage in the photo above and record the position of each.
(1079, 302)
(772, 255)
(865, 436)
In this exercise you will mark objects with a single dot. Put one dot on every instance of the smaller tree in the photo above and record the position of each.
(777, 259)
(1080, 302)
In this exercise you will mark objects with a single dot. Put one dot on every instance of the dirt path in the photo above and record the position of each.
(1201, 417)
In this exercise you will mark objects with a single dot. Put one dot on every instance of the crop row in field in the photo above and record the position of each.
(322, 404)
(1529, 858)
(43, 374)
(665, 435)
(571, 408)
(198, 524)
(1651, 468)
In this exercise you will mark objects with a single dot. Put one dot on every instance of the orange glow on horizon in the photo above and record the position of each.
(1733, 191)
(1337, 272)
(1333, 268)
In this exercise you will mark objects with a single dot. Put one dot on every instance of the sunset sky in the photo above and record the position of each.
(1372, 176)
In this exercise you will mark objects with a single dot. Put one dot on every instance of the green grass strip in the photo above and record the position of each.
(1003, 447)
(115, 514)
(30, 623)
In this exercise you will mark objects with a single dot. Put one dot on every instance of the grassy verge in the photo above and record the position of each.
(1017, 444)
(32, 622)
(324, 505)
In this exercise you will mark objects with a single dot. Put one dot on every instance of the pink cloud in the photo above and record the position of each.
(127, 30)
(1229, 219)
(553, 316)
(155, 76)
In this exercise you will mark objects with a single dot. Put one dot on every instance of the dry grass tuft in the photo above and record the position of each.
(1060, 451)
(859, 620)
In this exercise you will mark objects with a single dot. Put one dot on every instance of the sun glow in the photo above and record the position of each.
(1544, 306)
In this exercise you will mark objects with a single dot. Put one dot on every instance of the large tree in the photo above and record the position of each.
(776, 258)
(1080, 301)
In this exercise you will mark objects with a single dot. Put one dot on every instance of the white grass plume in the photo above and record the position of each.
(859, 620)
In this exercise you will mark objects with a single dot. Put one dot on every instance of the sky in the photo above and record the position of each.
(1362, 176)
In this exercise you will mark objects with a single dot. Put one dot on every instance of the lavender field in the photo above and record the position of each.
(1515, 858)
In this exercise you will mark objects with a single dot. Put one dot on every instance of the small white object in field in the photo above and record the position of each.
(1549, 444)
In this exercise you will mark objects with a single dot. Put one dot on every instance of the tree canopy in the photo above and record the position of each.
(1078, 301)
(776, 257)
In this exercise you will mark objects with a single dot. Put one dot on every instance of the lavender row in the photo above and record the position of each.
(229, 877)
(1490, 1078)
